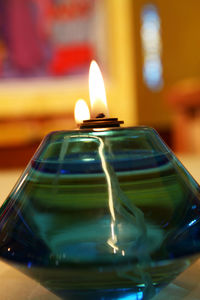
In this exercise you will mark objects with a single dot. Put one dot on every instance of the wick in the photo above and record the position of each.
(101, 115)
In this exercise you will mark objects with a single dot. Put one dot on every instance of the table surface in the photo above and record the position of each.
(16, 286)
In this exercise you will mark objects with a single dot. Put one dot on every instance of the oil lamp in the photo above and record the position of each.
(103, 211)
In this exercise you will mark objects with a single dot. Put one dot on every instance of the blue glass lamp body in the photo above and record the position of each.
(105, 214)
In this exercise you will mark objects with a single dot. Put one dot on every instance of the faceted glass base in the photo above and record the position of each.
(108, 214)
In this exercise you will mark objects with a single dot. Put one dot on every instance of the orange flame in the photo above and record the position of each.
(97, 91)
(81, 111)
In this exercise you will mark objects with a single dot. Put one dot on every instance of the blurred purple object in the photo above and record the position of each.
(23, 35)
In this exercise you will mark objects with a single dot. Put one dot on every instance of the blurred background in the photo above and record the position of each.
(148, 52)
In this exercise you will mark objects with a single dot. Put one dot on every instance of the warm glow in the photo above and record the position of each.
(97, 91)
(81, 111)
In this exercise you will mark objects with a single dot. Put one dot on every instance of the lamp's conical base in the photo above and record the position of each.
(102, 215)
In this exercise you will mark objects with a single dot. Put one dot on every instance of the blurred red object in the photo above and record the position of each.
(184, 97)
(70, 58)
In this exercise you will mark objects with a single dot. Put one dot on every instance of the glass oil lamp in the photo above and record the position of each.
(103, 211)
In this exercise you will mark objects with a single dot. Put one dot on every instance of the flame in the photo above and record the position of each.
(81, 111)
(97, 91)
